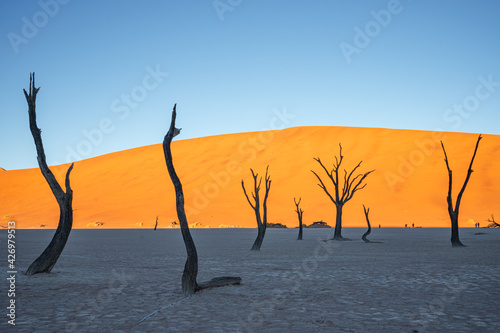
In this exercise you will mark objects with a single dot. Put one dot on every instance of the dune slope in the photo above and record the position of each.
(128, 189)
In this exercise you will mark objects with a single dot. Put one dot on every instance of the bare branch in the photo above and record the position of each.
(356, 187)
(324, 187)
(450, 182)
(469, 172)
(298, 210)
(329, 174)
(244, 191)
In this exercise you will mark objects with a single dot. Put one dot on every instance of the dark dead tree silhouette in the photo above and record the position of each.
(46, 261)
(492, 224)
(189, 284)
(453, 212)
(342, 194)
(261, 221)
(367, 211)
(300, 213)
(156, 224)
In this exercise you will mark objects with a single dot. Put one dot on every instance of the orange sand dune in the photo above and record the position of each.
(128, 189)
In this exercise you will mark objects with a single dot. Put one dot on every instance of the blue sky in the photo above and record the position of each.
(111, 71)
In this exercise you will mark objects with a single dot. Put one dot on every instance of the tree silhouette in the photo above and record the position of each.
(492, 224)
(300, 213)
(261, 221)
(46, 261)
(367, 211)
(453, 212)
(189, 284)
(342, 194)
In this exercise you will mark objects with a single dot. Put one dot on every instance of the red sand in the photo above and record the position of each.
(128, 189)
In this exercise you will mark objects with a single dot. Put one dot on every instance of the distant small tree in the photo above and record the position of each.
(46, 261)
(261, 221)
(189, 284)
(453, 212)
(342, 194)
(300, 212)
(492, 224)
(367, 211)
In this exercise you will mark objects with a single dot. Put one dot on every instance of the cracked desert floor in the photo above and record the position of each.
(129, 281)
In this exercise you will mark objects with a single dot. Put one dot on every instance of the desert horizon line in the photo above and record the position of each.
(209, 227)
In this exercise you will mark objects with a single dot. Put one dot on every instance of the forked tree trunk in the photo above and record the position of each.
(261, 222)
(367, 211)
(46, 261)
(189, 284)
(453, 211)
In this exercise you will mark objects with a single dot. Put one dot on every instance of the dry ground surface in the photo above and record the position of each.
(129, 281)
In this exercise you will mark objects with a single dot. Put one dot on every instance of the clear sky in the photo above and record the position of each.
(111, 71)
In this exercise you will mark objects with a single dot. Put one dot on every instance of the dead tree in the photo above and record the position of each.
(261, 221)
(46, 261)
(453, 212)
(367, 211)
(189, 284)
(342, 194)
(156, 224)
(300, 212)
(492, 224)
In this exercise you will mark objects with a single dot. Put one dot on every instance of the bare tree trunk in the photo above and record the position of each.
(367, 211)
(338, 224)
(156, 224)
(300, 213)
(189, 284)
(261, 232)
(455, 239)
(453, 212)
(46, 261)
(299, 237)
